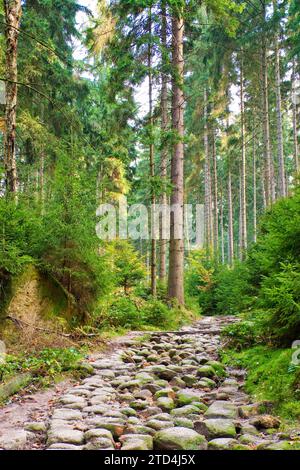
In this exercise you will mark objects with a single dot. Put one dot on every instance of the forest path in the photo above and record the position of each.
(166, 392)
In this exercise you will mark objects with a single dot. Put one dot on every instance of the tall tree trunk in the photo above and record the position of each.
(240, 244)
(215, 195)
(295, 123)
(281, 164)
(13, 11)
(222, 229)
(254, 192)
(230, 220)
(207, 183)
(151, 160)
(269, 184)
(176, 258)
(243, 243)
(164, 128)
(229, 195)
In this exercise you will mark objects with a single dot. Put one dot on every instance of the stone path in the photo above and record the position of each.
(167, 393)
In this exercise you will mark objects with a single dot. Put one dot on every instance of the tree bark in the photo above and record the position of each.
(164, 128)
(207, 183)
(151, 160)
(230, 220)
(13, 11)
(215, 195)
(254, 192)
(222, 229)
(281, 164)
(269, 183)
(243, 168)
(176, 258)
(295, 125)
(229, 195)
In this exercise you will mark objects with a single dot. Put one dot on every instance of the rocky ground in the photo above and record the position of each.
(169, 392)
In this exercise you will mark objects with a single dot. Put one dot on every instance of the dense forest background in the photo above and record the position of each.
(220, 84)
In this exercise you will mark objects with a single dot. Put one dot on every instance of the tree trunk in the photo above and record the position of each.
(266, 131)
(243, 243)
(176, 263)
(254, 192)
(215, 195)
(295, 125)
(164, 128)
(207, 183)
(222, 229)
(230, 220)
(281, 164)
(151, 160)
(229, 196)
(13, 11)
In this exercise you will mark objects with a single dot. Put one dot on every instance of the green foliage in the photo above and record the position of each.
(135, 312)
(267, 285)
(247, 332)
(126, 264)
(46, 363)
(270, 377)
(219, 289)
(280, 296)
(123, 313)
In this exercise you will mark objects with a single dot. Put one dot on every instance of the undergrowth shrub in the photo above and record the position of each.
(48, 362)
(219, 289)
(133, 312)
(270, 376)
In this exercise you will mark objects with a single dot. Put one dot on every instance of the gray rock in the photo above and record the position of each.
(185, 410)
(14, 440)
(99, 443)
(65, 436)
(225, 443)
(36, 426)
(184, 422)
(187, 397)
(214, 428)
(136, 442)
(179, 438)
(67, 415)
(158, 425)
(222, 409)
(61, 446)
(165, 403)
(206, 371)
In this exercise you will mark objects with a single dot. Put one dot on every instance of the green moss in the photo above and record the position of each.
(270, 376)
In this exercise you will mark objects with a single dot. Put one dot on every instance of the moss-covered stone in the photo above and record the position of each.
(179, 438)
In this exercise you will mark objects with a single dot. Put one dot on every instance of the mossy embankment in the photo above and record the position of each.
(271, 376)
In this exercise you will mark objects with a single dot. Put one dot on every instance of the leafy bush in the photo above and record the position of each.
(219, 289)
(48, 362)
(123, 313)
(132, 312)
(280, 296)
(270, 377)
(156, 313)
(247, 332)
(127, 266)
